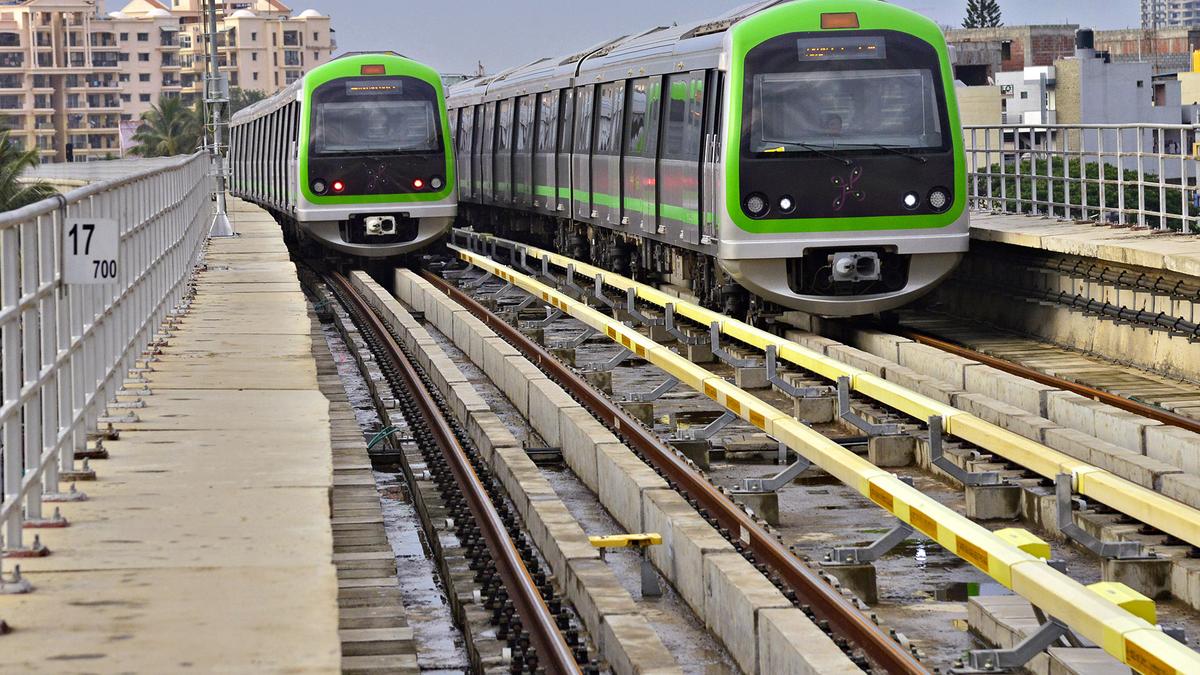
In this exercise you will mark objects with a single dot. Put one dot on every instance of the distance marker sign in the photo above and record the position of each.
(89, 250)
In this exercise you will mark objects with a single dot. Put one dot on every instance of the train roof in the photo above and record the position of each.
(655, 49)
(289, 93)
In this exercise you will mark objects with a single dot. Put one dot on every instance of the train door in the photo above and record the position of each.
(487, 161)
(712, 156)
(466, 129)
(639, 203)
(504, 152)
(680, 166)
(581, 160)
(606, 155)
(293, 155)
(476, 149)
(523, 151)
(566, 128)
(545, 198)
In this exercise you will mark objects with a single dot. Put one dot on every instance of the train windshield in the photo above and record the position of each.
(378, 126)
(375, 116)
(846, 109)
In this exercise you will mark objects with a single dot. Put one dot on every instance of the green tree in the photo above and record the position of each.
(169, 128)
(982, 14)
(14, 161)
(242, 98)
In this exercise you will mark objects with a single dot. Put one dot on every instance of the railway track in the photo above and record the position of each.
(811, 590)
(1087, 613)
(1144, 394)
(537, 642)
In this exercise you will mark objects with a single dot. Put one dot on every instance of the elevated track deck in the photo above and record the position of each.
(205, 543)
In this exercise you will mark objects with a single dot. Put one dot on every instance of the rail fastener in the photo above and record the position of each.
(1123, 635)
(1158, 511)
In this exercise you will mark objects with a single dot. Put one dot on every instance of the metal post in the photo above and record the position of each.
(216, 98)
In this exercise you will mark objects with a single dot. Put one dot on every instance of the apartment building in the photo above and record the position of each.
(1170, 13)
(69, 74)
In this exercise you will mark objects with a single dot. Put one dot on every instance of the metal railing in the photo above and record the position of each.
(65, 350)
(1125, 175)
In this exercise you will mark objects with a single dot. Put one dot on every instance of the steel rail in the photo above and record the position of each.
(825, 602)
(1115, 400)
(553, 652)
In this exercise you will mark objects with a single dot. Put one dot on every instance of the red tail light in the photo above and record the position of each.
(374, 69)
(418, 183)
(338, 186)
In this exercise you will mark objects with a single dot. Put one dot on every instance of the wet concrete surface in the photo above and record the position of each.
(696, 651)
(439, 643)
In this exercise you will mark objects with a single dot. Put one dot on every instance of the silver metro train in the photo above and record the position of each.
(808, 152)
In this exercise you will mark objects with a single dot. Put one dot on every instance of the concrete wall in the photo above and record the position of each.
(1028, 45)
(1189, 88)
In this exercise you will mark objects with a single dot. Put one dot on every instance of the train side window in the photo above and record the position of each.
(477, 132)
(505, 124)
(466, 128)
(636, 118)
(684, 121)
(547, 121)
(642, 120)
(524, 123)
(584, 108)
(489, 127)
(608, 118)
(566, 120)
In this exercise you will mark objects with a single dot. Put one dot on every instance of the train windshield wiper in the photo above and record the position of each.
(895, 149)
(819, 149)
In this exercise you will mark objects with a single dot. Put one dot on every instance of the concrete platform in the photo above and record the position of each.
(206, 544)
(1145, 248)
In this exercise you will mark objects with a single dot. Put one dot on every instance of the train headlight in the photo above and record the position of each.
(338, 186)
(939, 199)
(319, 186)
(756, 205)
(911, 200)
(787, 204)
(435, 183)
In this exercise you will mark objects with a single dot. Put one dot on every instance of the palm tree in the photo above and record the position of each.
(14, 161)
(240, 98)
(168, 128)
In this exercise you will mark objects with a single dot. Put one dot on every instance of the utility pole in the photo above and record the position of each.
(216, 99)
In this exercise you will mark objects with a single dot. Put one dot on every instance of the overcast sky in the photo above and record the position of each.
(452, 35)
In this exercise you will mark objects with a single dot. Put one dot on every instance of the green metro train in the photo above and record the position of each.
(808, 152)
(356, 156)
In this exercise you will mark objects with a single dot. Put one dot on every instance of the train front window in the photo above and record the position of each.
(383, 126)
(809, 93)
(375, 116)
(846, 108)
